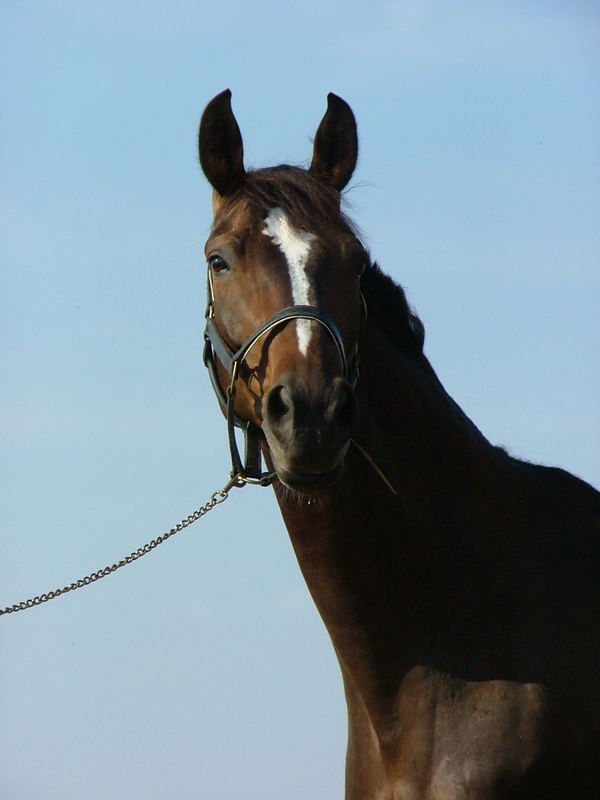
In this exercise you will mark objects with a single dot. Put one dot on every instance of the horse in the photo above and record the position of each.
(460, 586)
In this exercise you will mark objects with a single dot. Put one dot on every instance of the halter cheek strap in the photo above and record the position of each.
(250, 470)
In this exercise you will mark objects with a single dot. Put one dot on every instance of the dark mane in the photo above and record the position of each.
(315, 206)
(387, 302)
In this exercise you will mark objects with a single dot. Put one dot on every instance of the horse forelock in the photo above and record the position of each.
(310, 204)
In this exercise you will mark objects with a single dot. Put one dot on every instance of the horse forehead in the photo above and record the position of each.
(293, 242)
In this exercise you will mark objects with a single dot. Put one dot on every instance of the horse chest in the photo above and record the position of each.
(448, 739)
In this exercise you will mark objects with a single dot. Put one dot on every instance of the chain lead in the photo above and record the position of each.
(218, 497)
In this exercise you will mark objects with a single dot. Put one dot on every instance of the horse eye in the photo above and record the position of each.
(217, 263)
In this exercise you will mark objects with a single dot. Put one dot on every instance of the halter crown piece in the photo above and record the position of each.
(215, 347)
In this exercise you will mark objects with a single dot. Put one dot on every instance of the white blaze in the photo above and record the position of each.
(295, 246)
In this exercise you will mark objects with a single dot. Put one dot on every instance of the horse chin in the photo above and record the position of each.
(309, 482)
(303, 472)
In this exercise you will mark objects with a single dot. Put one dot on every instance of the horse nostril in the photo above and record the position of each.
(278, 404)
(342, 408)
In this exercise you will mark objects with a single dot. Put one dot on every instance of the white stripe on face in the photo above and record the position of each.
(295, 246)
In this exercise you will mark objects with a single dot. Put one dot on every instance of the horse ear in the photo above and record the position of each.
(220, 145)
(335, 148)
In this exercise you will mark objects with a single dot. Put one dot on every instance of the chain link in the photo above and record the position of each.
(216, 499)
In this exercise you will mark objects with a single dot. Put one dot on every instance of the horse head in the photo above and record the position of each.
(284, 304)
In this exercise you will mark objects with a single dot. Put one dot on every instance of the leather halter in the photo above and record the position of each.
(215, 347)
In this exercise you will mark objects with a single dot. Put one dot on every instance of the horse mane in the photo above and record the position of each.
(386, 301)
(315, 206)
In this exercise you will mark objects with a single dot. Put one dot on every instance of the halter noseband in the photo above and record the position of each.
(215, 347)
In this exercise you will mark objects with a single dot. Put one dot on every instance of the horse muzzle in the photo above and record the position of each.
(308, 430)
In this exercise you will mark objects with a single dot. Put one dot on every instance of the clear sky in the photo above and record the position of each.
(203, 671)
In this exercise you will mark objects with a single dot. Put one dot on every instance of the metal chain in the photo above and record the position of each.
(216, 499)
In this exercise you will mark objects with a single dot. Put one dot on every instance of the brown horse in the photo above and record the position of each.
(460, 586)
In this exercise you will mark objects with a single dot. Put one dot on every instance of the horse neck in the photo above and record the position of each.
(414, 450)
(379, 549)
(420, 439)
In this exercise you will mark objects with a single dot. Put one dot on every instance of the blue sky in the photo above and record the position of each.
(204, 670)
